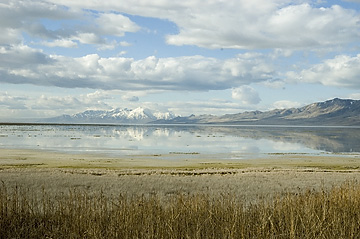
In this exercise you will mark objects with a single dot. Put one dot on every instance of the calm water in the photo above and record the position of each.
(238, 141)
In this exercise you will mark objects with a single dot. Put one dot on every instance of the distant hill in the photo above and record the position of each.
(132, 116)
(335, 112)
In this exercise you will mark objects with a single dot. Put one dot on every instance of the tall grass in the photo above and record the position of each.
(313, 214)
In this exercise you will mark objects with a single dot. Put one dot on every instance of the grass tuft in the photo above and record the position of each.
(76, 214)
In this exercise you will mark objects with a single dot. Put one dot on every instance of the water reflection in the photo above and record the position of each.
(156, 139)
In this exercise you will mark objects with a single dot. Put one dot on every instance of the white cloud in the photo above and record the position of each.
(193, 73)
(49, 105)
(54, 102)
(28, 16)
(115, 24)
(274, 26)
(246, 94)
(121, 53)
(95, 98)
(280, 24)
(10, 36)
(274, 83)
(12, 102)
(60, 43)
(341, 71)
(243, 24)
(89, 38)
(124, 43)
(286, 104)
(14, 57)
(24, 16)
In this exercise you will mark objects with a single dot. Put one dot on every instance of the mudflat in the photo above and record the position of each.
(166, 175)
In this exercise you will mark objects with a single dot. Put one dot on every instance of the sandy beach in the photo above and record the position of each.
(158, 174)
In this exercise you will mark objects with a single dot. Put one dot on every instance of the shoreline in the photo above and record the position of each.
(34, 158)
(251, 179)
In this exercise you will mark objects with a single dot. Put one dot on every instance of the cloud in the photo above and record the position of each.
(21, 57)
(12, 102)
(89, 38)
(274, 26)
(31, 17)
(341, 71)
(286, 104)
(10, 36)
(53, 102)
(24, 16)
(243, 24)
(49, 105)
(246, 94)
(115, 24)
(192, 73)
(256, 24)
(60, 43)
(124, 43)
(97, 95)
(130, 98)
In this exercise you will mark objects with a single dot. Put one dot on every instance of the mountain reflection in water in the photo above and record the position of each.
(166, 139)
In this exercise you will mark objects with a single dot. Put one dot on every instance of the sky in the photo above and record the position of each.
(188, 57)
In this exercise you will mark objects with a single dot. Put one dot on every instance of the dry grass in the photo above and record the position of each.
(76, 214)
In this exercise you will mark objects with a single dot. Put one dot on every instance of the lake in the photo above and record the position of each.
(212, 141)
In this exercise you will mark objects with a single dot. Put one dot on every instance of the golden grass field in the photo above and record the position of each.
(57, 195)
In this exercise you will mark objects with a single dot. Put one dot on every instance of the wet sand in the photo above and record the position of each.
(166, 175)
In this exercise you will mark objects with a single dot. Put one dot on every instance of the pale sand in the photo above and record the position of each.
(152, 174)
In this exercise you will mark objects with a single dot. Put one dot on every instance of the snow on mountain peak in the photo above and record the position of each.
(137, 115)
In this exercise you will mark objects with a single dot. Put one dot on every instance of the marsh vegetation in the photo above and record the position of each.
(331, 213)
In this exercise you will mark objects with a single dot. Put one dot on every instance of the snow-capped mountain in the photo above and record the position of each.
(137, 116)
(335, 112)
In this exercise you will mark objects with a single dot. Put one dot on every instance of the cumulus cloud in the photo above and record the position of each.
(115, 24)
(244, 24)
(24, 16)
(342, 71)
(28, 16)
(193, 73)
(21, 56)
(246, 94)
(10, 36)
(273, 26)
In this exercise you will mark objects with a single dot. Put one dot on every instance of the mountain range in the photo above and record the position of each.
(335, 112)
(130, 116)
